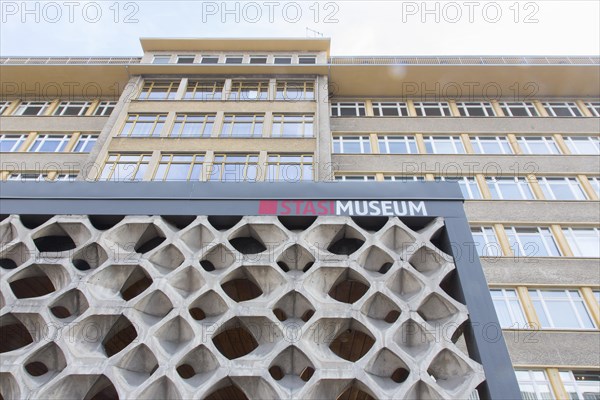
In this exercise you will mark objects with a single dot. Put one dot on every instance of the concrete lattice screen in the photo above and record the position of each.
(229, 308)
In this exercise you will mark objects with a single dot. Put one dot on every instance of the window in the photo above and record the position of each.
(519, 109)
(532, 242)
(105, 108)
(594, 108)
(538, 145)
(28, 177)
(561, 309)
(185, 59)
(561, 189)
(258, 59)
(356, 109)
(491, 145)
(279, 59)
(581, 385)
(595, 182)
(193, 125)
(237, 59)
(289, 167)
(444, 145)
(66, 177)
(390, 109)
(508, 308)
(249, 90)
(486, 242)
(567, 109)
(209, 59)
(584, 242)
(404, 178)
(3, 106)
(164, 59)
(124, 167)
(143, 125)
(468, 186)
(234, 168)
(432, 109)
(359, 178)
(32, 108)
(179, 167)
(47, 143)
(515, 188)
(397, 145)
(204, 90)
(85, 143)
(159, 90)
(534, 385)
(11, 143)
(475, 109)
(307, 59)
(583, 144)
(295, 90)
(291, 125)
(242, 125)
(351, 144)
(74, 108)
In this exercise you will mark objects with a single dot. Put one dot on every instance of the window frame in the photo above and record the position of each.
(593, 107)
(360, 109)
(466, 184)
(181, 119)
(239, 87)
(363, 141)
(552, 106)
(544, 234)
(529, 107)
(486, 107)
(195, 160)
(476, 142)
(486, 233)
(251, 160)
(512, 303)
(575, 242)
(254, 57)
(166, 57)
(211, 57)
(257, 125)
(549, 143)
(229, 59)
(62, 140)
(85, 140)
(305, 120)
(20, 138)
(215, 94)
(355, 178)
(104, 106)
(443, 107)
(453, 141)
(278, 165)
(64, 106)
(399, 106)
(497, 183)
(303, 58)
(143, 160)
(22, 107)
(4, 106)
(571, 382)
(544, 303)
(570, 182)
(306, 90)
(410, 142)
(159, 121)
(180, 57)
(153, 88)
(19, 176)
(536, 384)
(594, 142)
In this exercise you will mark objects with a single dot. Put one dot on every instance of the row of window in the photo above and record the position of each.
(408, 144)
(233, 125)
(465, 109)
(40, 177)
(65, 108)
(234, 59)
(554, 309)
(579, 385)
(47, 143)
(536, 241)
(253, 90)
(221, 167)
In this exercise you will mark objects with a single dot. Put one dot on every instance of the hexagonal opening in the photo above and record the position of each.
(356, 390)
(254, 238)
(89, 257)
(295, 258)
(388, 369)
(167, 258)
(144, 236)
(375, 259)
(82, 387)
(127, 280)
(61, 236)
(224, 222)
(162, 388)
(138, 365)
(209, 305)
(187, 281)
(37, 280)
(104, 222)
(249, 282)
(197, 237)
(405, 285)
(120, 335)
(234, 340)
(349, 287)
(174, 335)
(217, 258)
(449, 370)
(352, 340)
(297, 223)
(293, 306)
(226, 389)
(291, 368)
(197, 365)
(49, 358)
(436, 309)
(382, 309)
(154, 307)
(71, 304)
(413, 338)
(427, 261)
(13, 333)
(399, 239)
(371, 224)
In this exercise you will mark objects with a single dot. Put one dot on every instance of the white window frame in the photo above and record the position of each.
(579, 386)
(42, 138)
(28, 177)
(256, 57)
(279, 163)
(454, 141)
(192, 160)
(152, 88)
(257, 123)
(573, 236)
(103, 107)
(404, 178)
(468, 185)
(163, 57)
(230, 57)
(306, 122)
(4, 105)
(355, 178)
(570, 106)
(281, 56)
(544, 234)
(290, 90)
(204, 57)
(363, 141)
(401, 108)
(115, 159)
(69, 177)
(214, 90)
(311, 57)
(359, 107)
(536, 384)
(65, 105)
(545, 300)
(529, 107)
(158, 124)
(443, 107)
(497, 183)
(185, 56)
(240, 90)
(510, 299)
(500, 141)
(224, 167)
(593, 142)
(549, 143)
(593, 107)
(486, 107)
(19, 140)
(409, 141)
(547, 184)
(85, 140)
(490, 239)
(21, 108)
(595, 182)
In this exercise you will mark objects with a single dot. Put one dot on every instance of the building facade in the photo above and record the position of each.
(520, 135)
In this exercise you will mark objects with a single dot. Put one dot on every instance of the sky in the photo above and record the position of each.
(394, 27)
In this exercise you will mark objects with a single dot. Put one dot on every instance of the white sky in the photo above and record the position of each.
(546, 27)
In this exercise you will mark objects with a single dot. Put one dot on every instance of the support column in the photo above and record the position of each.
(52, 107)
(12, 107)
(92, 108)
(557, 384)
(483, 187)
(152, 164)
(561, 240)
(420, 143)
(503, 240)
(181, 89)
(583, 108)
(466, 141)
(587, 187)
(369, 108)
(540, 108)
(560, 142)
(168, 125)
(374, 141)
(535, 187)
(453, 108)
(592, 304)
(497, 108)
(514, 143)
(27, 143)
(528, 307)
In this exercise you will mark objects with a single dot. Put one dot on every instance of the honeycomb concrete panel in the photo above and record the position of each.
(251, 307)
